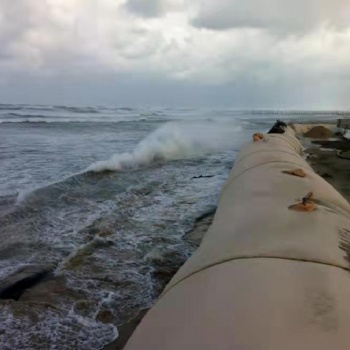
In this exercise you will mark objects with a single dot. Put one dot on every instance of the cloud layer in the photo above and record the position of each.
(202, 42)
(287, 17)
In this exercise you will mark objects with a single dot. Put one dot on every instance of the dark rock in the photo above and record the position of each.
(82, 305)
(105, 316)
(343, 154)
(200, 228)
(208, 214)
(16, 284)
(278, 128)
(105, 233)
(202, 176)
(29, 310)
(53, 291)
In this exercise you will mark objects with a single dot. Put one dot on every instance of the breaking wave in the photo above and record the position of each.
(174, 141)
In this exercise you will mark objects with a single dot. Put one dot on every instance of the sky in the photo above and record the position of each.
(231, 53)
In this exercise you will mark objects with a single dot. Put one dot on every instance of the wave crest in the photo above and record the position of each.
(173, 141)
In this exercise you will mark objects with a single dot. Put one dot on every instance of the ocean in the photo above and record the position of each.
(98, 201)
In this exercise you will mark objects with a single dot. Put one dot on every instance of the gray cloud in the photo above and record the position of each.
(13, 24)
(79, 42)
(149, 8)
(295, 16)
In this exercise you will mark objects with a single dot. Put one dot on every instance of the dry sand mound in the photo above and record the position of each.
(319, 132)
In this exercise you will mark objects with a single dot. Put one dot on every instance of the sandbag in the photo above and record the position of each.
(265, 276)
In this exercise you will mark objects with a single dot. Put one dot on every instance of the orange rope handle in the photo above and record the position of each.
(258, 137)
(306, 204)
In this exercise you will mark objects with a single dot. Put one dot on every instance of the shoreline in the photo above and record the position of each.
(261, 256)
(42, 289)
(322, 153)
(325, 157)
(194, 236)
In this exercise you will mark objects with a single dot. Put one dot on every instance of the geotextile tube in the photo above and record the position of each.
(265, 277)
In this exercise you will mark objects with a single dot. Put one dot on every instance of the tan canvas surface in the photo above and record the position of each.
(265, 276)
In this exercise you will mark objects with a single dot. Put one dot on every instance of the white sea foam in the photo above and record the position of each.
(52, 329)
(22, 195)
(174, 141)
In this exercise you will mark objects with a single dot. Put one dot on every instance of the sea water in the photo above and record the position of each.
(103, 197)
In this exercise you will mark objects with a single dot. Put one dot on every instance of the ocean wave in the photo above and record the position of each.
(20, 115)
(173, 141)
(153, 114)
(126, 109)
(23, 107)
(72, 109)
(48, 120)
(89, 110)
(24, 121)
(53, 189)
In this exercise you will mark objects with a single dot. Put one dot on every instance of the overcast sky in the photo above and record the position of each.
(232, 53)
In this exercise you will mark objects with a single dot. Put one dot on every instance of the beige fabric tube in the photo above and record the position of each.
(265, 276)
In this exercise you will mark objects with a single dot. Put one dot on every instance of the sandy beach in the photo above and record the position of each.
(328, 157)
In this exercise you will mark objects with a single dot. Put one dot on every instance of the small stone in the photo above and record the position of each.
(105, 316)
(105, 233)
(82, 305)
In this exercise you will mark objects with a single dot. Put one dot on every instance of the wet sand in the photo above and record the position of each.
(328, 159)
